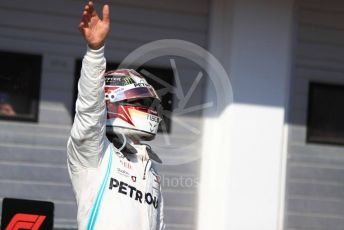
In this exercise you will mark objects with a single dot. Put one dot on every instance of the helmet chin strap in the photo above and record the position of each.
(124, 142)
(126, 139)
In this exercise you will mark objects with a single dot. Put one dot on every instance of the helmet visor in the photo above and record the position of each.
(145, 104)
(132, 93)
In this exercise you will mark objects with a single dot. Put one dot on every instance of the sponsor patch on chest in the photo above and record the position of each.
(126, 164)
(133, 193)
(122, 172)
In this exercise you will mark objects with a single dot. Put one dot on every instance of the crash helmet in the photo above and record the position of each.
(133, 106)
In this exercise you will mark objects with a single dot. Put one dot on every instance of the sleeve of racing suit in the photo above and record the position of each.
(86, 144)
(161, 224)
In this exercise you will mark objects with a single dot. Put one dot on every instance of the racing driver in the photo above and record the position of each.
(113, 174)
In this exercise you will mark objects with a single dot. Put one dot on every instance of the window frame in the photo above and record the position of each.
(35, 62)
(312, 138)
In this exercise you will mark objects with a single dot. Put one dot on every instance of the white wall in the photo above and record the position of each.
(243, 157)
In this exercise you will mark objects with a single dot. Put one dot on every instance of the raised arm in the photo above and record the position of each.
(93, 28)
(87, 142)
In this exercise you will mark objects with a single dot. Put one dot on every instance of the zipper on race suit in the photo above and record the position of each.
(145, 170)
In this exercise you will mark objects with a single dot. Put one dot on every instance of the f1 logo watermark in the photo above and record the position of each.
(25, 221)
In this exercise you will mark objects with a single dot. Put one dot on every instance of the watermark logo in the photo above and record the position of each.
(205, 94)
(181, 181)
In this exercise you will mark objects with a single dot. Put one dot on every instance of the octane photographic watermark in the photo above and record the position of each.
(171, 182)
(204, 94)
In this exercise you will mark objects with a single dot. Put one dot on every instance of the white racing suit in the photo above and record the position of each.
(112, 191)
